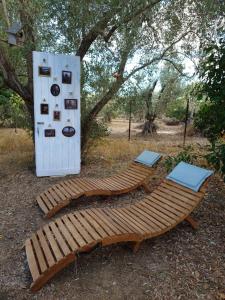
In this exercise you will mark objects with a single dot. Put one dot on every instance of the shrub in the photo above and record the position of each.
(186, 155)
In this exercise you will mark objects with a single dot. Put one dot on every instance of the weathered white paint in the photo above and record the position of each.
(59, 155)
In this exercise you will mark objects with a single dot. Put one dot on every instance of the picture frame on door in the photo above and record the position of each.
(44, 71)
(56, 115)
(66, 77)
(44, 109)
(71, 103)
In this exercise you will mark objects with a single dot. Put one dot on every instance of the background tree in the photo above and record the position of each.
(107, 36)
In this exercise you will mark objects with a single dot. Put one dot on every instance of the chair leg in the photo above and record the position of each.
(146, 188)
(135, 246)
(194, 224)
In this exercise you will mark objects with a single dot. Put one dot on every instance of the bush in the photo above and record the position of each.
(13, 111)
(186, 155)
(177, 110)
(216, 157)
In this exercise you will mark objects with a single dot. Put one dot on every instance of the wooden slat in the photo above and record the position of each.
(55, 195)
(119, 221)
(86, 225)
(189, 197)
(127, 179)
(64, 189)
(42, 205)
(74, 232)
(94, 224)
(97, 219)
(127, 220)
(39, 254)
(32, 260)
(75, 187)
(59, 238)
(82, 185)
(164, 204)
(83, 232)
(146, 208)
(67, 236)
(44, 245)
(137, 221)
(155, 220)
(115, 227)
(51, 198)
(184, 200)
(159, 206)
(172, 198)
(56, 188)
(55, 249)
(46, 201)
(181, 187)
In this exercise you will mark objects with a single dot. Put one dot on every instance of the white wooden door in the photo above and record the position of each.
(56, 116)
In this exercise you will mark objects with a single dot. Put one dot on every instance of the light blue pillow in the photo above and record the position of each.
(189, 176)
(148, 158)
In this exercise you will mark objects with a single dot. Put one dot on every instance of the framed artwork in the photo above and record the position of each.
(66, 77)
(70, 103)
(44, 109)
(68, 131)
(55, 90)
(49, 132)
(44, 71)
(56, 115)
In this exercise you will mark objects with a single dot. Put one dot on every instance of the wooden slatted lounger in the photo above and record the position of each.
(55, 245)
(61, 194)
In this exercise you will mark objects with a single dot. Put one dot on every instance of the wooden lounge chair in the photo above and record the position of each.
(61, 194)
(55, 245)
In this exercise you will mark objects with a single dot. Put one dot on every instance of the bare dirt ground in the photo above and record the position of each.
(182, 264)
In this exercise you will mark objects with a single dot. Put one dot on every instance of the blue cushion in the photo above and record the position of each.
(189, 176)
(148, 158)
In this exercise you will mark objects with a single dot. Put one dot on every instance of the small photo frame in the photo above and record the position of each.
(44, 109)
(66, 77)
(70, 103)
(49, 132)
(56, 115)
(44, 71)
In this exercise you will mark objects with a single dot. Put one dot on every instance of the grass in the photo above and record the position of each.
(120, 149)
(16, 149)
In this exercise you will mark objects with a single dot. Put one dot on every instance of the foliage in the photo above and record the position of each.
(216, 157)
(211, 117)
(116, 37)
(176, 109)
(13, 111)
(186, 155)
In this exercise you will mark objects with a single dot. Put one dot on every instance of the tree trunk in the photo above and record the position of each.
(87, 123)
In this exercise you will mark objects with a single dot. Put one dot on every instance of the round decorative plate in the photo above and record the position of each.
(68, 131)
(55, 89)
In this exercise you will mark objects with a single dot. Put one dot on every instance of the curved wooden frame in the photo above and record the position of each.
(55, 245)
(60, 195)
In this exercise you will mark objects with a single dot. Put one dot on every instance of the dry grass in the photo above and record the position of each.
(16, 149)
(120, 149)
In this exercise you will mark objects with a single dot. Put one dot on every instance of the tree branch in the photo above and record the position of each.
(101, 25)
(5, 13)
(176, 67)
(158, 58)
(93, 33)
(10, 78)
(129, 18)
